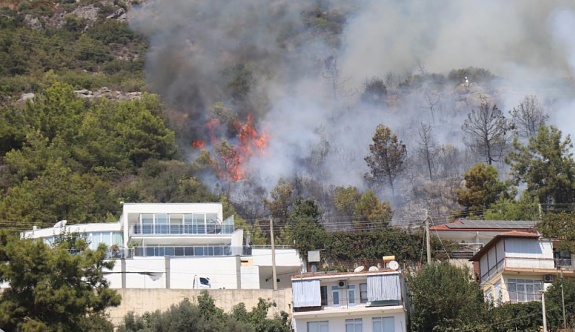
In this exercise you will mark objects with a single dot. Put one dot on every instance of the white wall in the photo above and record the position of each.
(284, 257)
(250, 277)
(337, 324)
(529, 253)
(220, 270)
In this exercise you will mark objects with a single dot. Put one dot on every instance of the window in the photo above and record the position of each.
(363, 293)
(323, 291)
(351, 294)
(353, 325)
(383, 324)
(321, 326)
(335, 294)
(562, 258)
(524, 290)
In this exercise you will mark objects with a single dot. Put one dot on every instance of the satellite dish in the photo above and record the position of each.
(393, 265)
(373, 268)
(358, 269)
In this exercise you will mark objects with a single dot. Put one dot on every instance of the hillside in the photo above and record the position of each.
(258, 108)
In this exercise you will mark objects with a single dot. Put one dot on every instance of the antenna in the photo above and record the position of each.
(359, 268)
(373, 268)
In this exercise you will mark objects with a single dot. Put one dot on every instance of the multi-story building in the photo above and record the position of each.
(180, 245)
(472, 235)
(364, 301)
(517, 267)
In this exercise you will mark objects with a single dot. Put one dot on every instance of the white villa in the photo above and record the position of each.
(171, 245)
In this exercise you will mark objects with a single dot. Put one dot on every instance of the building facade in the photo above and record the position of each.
(518, 266)
(370, 301)
(179, 246)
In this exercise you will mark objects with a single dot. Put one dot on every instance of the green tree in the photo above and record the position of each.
(516, 317)
(370, 213)
(559, 226)
(205, 316)
(524, 208)
(345, 199)
(281, 202)
(303, 229)
(546, 165)
(387, 158)
(482, 188)
(444, 297)
(559, 298)
(53, 289)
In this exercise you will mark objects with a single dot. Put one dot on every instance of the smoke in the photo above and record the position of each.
(304, 90)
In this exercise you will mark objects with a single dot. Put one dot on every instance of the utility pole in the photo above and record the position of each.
(427, 238)
(543, 310)
(274, 273)
(563, 299)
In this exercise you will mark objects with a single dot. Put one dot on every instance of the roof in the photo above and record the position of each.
(493, 242)
(485, 225)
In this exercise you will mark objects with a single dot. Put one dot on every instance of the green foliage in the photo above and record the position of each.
(559, 226)
(303, 230)
(524, 208)
(77, 150)
(387, 158)
(347, 248)
(482, 189)
(281, 202)
(561, 291)
(52, 289)
(206, 317)
(370, 213)
(516, 317)
(546, 165)
(444, 298)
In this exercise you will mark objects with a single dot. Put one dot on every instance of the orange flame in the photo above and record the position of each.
(232, 161)
(200, 144)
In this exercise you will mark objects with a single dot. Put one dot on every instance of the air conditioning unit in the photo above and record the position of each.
(341, 284)
(548, 278)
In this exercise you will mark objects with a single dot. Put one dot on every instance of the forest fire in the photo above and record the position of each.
(232, 158)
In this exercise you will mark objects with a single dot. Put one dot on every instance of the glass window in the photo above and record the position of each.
(353, 325)
(351, 294)
(199, 223)
(147, 221)
(524, 290)
(321, 326)
(335, 294)
(363, 293)
(323, 293)
(162, 223)
(383, 324)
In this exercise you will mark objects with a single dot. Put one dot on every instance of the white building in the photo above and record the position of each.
(367, 301)
(173, 245)
(518, 266)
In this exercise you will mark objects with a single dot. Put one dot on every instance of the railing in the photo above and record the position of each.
(178, 251)
(563, 262)
(182, 229)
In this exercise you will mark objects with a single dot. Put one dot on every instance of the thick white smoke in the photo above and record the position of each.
(529, 43)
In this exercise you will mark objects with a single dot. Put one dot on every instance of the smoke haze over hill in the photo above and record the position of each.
(305, 91)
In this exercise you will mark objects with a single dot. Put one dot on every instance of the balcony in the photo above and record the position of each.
(209, 229)
(190, 251)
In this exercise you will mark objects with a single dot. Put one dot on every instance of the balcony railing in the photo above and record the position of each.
(182, 229)
(178, 251)
(563, 262)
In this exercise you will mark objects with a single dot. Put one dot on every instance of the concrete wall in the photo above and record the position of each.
(140, 301)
